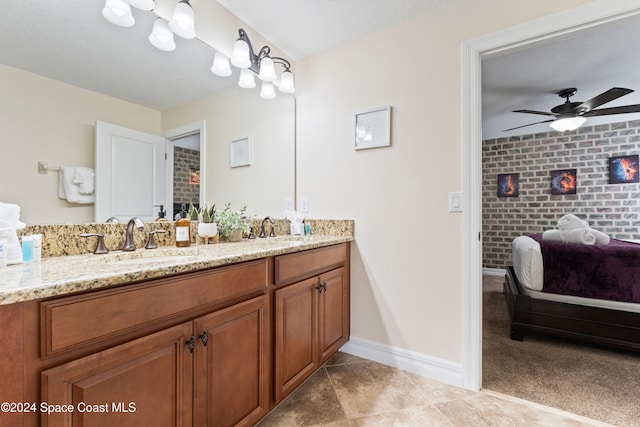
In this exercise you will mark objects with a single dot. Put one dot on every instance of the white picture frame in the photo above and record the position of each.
(240, 152)
(372, 128)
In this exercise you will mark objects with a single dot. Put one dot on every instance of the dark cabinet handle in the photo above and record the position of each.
(191, 344)
(321, 287)
(204, 337)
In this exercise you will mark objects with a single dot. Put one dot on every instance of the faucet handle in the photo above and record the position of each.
(100, 248)
(151, 243)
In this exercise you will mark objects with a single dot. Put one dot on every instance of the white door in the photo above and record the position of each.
(131, 173)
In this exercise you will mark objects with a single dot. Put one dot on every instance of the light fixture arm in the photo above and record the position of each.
(264, 52)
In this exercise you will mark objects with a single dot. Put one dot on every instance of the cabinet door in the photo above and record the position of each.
(296, 335)
(232, 369)
(333, 313)
(147, 381)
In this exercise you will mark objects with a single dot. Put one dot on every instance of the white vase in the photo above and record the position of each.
(208, 229)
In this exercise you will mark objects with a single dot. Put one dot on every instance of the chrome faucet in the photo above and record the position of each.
(129, 243)
(273, 228)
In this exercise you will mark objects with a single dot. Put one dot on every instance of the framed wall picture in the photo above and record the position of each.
(240, 153)
(508, 185)
(564, 181)
(372, 128)
(623, 169)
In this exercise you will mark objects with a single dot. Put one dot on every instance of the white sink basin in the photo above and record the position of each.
(143, 256)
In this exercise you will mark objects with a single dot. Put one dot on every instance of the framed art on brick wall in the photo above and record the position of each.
(623, 169)
(564, 181)
(508, 185)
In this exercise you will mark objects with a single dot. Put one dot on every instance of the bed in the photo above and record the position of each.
(543, 297)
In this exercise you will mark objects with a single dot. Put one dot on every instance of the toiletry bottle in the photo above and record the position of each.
(161, 214)
(183, 230)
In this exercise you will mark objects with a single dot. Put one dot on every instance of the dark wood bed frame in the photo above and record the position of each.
(608, 327)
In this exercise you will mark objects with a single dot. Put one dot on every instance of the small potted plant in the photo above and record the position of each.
(206, 216)
(232, 225)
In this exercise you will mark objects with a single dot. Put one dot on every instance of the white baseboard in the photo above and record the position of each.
(417, 363)
(494, 271)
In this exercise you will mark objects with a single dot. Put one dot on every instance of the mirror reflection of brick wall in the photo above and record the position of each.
(611, 208)
(186, 163)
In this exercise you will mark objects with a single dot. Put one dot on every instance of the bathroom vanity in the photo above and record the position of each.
(216, 335)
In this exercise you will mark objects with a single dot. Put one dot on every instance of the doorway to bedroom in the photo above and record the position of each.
(590, 381)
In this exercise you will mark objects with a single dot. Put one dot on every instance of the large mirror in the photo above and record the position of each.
(63, 67)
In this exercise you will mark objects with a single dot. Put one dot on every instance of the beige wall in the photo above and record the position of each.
(233, 114)
(43, 119)
(406, 273)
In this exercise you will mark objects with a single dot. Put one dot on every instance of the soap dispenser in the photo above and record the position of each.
(162, 214)
(183, 229)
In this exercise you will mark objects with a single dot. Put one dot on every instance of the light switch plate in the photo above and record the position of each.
(304, 204)
(455, 202)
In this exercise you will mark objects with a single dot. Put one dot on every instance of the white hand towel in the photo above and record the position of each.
(84, 178)
(69, 190)
(571, 222)
(601, 238)
(10, 214)
(581, 236)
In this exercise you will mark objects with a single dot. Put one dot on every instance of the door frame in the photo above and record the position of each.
(473, 51)
(179, 132)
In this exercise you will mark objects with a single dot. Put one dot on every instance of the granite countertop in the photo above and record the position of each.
(58, 276)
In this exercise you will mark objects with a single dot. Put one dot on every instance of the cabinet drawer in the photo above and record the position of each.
(72, 322)
(298, 266)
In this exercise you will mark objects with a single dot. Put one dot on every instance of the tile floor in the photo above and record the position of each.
(349, 391)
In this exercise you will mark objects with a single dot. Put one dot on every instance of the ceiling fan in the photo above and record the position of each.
(571, 115)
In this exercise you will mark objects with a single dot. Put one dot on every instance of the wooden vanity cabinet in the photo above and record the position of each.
(311, 315)
(216, 347)
(212, 370)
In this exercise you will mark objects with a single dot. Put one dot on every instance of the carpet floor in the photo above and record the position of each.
(592, 381)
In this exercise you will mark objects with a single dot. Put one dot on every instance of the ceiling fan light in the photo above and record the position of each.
(567, 123)
(267, 70)
(286, 82)
(183, 20)
(161, 36)
(267, 91)
(246, 80)
(221, 65)
(240, 57)
(118, 12)
(142, 4)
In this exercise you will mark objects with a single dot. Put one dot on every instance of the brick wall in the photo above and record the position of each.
(611, 208)
(184, 161)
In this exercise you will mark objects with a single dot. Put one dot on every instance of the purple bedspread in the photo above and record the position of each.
(610, 272)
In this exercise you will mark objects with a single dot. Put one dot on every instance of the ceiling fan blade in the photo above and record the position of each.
(603, 98)
(530, 124)
(613, 110)
(544, 113)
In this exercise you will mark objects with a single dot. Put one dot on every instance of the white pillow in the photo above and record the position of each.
(527, 262)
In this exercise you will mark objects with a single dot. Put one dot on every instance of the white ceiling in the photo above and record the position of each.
(70, 41)
(304, 28)
(592, 60)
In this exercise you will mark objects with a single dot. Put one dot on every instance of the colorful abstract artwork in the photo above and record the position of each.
(564, 182)
(508, 185)
(623, 169)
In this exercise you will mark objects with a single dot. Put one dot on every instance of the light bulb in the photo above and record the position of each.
(161, 36)
(567, 123)
(240, 57)
(267, 91)
(286, 82)
(267, 71)
(246, 80)
(183, 21)
(118, 12)
(221, 65)
(142, 4)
